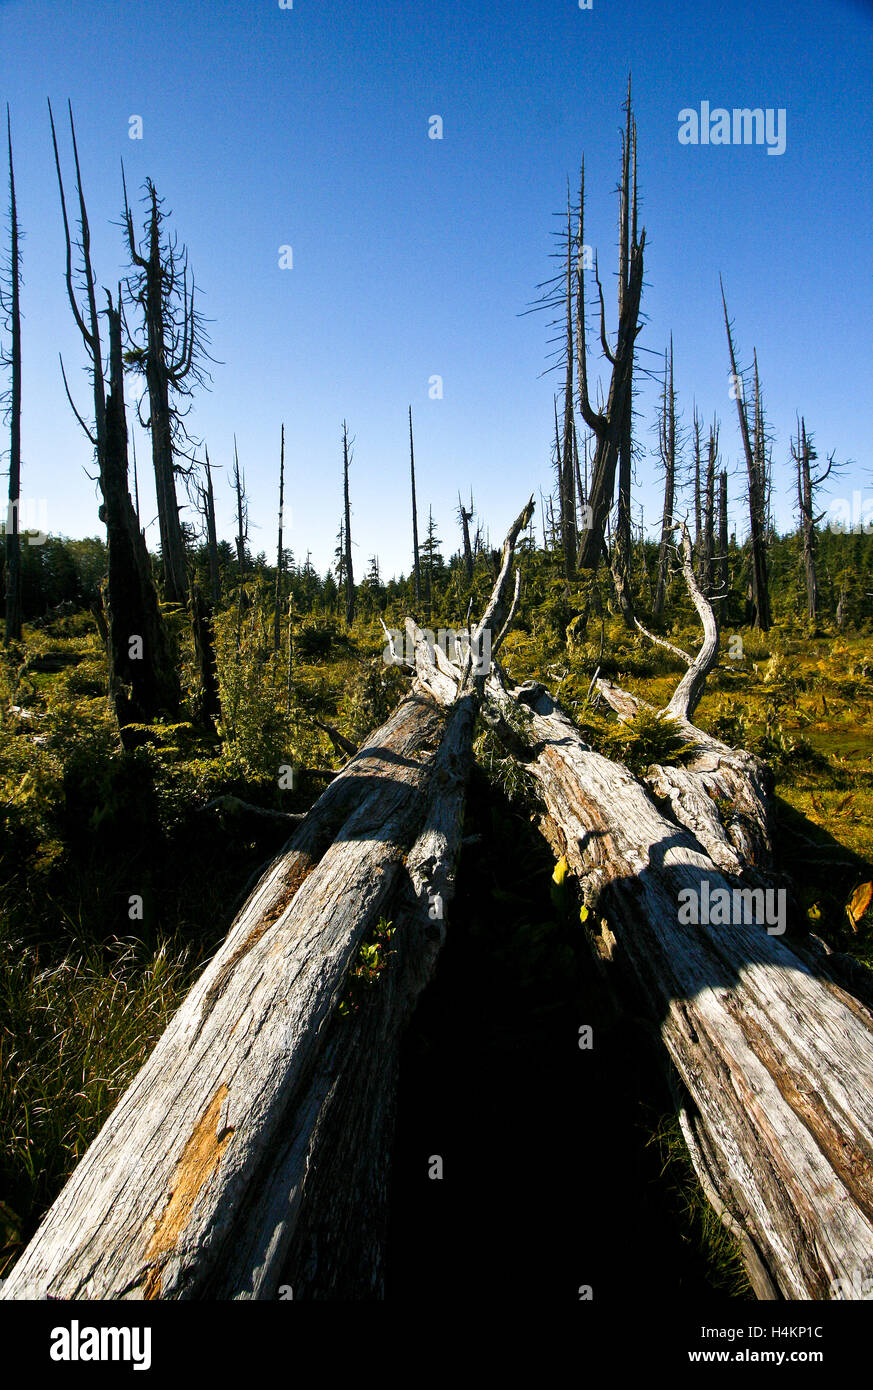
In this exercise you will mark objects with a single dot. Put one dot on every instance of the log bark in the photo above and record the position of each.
(773, 1057)
(252, 1149)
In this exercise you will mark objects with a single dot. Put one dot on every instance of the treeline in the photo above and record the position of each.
(70, 573)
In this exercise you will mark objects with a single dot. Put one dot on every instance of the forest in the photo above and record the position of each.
(315, 885)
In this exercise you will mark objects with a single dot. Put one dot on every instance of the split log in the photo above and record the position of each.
(252, 1148)
(773, 1058)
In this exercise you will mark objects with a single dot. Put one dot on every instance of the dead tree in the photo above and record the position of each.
(465, 517)
(707, 542)
(12, 359)
(697, 482)
(667, 450)
(169, 359)
(253, 1148)
(723, 568)
(611, 424)
(280, 555)
(143, 680)
(803, 454)
(756, 466)
(347, 535)
(566, 473)
(623, 549)
(238, 483)
(415, 559)
(208, 508)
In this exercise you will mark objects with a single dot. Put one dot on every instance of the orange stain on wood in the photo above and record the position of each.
(200, 1158)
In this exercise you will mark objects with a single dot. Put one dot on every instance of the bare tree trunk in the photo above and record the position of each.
(757, 487)
(610, 425)
(238, 483)
(569, 536)
(349, 573)
(143, 681)
(803, 452)
(167, 359)
(465, 518)
(667, 446)
(698, 501)
(415, 558)
(13, 520)
(707, 548)
(212, 537)
(280, 555)
(142, 669)
(723, 568)
(621, 562)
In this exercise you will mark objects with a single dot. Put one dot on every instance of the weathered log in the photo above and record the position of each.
(775, 1057)
(251, 1149)
(721, 794)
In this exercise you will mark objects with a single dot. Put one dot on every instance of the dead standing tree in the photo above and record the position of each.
(756, 466)
(803, 453)
(280, 554)
(623, 549)
(415, 558)
(207, 509)
(11, 305)
(707, 541)
(567, 449)
(667, 450)
(723, 567)
(238, 483)
(610, 426)
(465, 517)
(253, 1147)
(169, 358)
(143, 681)
(348, 572)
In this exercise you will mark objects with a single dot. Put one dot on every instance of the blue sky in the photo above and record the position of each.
(413, 257)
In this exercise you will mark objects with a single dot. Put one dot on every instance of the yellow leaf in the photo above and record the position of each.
(584, 914)
(858, 903)
(814, 913)
(562, 868)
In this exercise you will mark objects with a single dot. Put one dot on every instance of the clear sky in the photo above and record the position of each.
(308, 127)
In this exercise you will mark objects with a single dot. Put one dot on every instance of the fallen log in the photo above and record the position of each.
(771, 1058)
(251, 1149)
